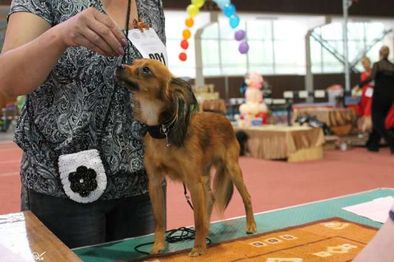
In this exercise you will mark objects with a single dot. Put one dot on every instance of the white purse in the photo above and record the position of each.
(82, 175)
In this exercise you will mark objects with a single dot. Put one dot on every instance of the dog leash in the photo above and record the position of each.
(187, 196)
(137, 24)
(126, 32)
(175, 235)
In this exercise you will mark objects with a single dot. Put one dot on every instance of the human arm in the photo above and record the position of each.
(381, 247)
(32, 47)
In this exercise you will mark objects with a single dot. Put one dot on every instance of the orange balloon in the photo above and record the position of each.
(189, 22)
(186, 34)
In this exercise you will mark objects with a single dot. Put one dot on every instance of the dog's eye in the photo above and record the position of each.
(146, 71)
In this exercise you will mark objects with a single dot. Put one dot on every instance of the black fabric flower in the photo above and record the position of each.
(83, 181)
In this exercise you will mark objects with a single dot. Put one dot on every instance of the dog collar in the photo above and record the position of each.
(160, 131)
(157, 132)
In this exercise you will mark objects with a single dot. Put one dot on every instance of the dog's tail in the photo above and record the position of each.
(223, 188)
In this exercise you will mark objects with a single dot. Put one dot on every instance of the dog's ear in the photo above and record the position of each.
(184, 103)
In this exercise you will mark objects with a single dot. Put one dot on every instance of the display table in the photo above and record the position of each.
(213, 105)
(294, 143)
(340, 120)
(24, 238)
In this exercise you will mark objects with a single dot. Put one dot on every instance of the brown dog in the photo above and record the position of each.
(191, 144)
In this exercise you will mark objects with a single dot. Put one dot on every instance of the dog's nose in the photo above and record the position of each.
(119, 70)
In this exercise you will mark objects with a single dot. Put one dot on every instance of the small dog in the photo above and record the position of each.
(184, 144)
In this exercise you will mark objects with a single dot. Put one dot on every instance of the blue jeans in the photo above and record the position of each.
(87, 224)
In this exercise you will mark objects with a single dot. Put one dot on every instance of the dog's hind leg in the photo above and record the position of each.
(210, 198)
(236, 176)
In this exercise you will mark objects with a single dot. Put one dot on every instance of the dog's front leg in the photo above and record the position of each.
(201, 222)
(158, 204)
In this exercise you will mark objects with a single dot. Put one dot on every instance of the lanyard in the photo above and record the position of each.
(131, 6)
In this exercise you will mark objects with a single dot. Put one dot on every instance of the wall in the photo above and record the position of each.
(279, 83)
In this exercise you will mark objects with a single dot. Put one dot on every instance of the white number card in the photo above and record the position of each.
(149, 44)
(369, 92)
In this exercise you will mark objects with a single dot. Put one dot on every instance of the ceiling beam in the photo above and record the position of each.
(308, 7)
(365, 8)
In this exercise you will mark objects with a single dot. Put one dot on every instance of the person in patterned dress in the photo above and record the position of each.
(63, 55)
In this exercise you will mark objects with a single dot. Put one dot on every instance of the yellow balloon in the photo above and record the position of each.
(189, 22)
(198, 3)
(192, 10)
(186, 34)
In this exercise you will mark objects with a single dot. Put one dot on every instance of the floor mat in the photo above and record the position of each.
(333, 239)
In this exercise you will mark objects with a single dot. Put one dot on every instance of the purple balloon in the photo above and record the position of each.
(243, 47)
(240, 35)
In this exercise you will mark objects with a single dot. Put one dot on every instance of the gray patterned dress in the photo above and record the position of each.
(67, 112)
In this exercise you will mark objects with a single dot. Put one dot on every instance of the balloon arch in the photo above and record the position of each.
(229, 11)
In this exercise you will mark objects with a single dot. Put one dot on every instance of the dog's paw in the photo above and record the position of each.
(251, 228)
(157, 248)
(197, 251)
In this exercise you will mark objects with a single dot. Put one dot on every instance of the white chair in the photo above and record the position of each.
(288, 94)
(319, 94)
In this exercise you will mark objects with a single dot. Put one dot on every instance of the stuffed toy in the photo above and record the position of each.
(254, 110)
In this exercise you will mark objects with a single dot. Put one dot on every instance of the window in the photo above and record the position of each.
(361, 36)
(277, 44)
(260, 55)
(289, 47)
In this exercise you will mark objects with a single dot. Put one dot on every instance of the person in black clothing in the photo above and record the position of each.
(382, 100)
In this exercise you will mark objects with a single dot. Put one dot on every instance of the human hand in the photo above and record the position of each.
(93, 30)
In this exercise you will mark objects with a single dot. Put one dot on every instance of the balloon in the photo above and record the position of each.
(192, 10)
(243, 47)
(239, 35)
(234, 21)
(184, 44)
(182, 56)
(189, 22)
(186, 34)
(198, 3)
(229, 10)
(222, 3)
